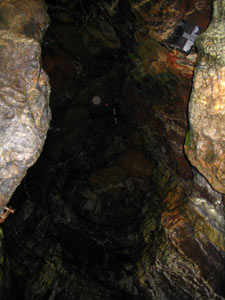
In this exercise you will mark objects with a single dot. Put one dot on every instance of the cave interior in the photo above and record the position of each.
(113, 209)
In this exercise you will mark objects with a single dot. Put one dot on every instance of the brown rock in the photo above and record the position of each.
(24, 91)
(158, 61)
(196, 11)
(191, 239)
(183, 167)
(135, 138)
(135, 164)
(206, 110)
(160, 16)
(107, 176)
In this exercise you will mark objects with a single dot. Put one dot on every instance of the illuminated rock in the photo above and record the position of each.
(24, 91)
(205, 148)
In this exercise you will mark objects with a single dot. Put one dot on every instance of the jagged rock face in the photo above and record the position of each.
(206, 145)
(189, 260)
(24, 91)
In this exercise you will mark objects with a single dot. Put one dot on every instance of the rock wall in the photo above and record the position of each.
(24, 91)
(185, 259)
(206, 143)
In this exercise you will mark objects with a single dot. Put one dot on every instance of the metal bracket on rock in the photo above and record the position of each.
(184, 36)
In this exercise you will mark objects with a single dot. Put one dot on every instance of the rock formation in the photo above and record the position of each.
(206, 144)
(24, 91)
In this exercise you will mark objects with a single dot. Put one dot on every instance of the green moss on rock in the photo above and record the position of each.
(187, 139)
(210, 157)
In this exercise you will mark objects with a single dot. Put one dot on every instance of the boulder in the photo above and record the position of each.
(24, 91)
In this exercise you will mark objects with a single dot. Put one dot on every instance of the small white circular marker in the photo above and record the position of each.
(96, 100)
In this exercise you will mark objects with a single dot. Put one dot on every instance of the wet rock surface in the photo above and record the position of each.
(112, 209)
(24, 91)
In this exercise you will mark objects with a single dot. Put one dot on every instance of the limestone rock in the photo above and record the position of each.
(205, 149)
(24, 91)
